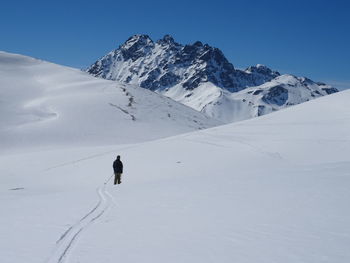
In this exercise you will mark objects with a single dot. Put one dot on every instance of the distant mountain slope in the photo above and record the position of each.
(197, 75)
(43, 104)
(279, 93)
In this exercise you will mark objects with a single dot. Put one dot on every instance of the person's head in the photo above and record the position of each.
(118, 157)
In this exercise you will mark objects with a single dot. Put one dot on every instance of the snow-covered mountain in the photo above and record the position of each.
(44, 104)
(165, 63)
(201, 77)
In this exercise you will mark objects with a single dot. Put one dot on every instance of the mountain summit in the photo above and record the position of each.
(199, 76)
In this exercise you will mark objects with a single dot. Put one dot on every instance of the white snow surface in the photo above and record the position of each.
(270, 189)
(44, 104)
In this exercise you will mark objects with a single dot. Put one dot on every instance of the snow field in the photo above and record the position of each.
(270, 189)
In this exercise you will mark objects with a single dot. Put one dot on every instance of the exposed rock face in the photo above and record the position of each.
(181, 72)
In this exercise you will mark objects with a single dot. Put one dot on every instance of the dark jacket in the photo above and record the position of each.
(118, 166)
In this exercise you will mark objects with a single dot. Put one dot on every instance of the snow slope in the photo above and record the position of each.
(47, 105)
(269, 189)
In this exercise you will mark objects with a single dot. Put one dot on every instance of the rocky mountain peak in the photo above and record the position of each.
(138, 40)
(136, 46)
(190, 65)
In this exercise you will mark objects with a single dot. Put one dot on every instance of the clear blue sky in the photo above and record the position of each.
(309, 38)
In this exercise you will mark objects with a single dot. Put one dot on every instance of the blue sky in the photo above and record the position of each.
(309, 38)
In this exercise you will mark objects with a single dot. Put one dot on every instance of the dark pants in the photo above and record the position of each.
(117, 178)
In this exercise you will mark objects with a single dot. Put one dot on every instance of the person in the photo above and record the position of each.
(118, 170)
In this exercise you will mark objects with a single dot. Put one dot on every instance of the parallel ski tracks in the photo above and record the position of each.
(70, 237)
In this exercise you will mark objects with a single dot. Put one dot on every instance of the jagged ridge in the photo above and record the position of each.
(165, 63)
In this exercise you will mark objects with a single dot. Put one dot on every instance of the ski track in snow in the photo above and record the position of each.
(69, 238)
(66, 241)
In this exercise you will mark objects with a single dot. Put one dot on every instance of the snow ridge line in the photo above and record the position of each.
(65, 243)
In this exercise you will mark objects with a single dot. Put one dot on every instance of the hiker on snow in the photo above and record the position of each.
(118, 170)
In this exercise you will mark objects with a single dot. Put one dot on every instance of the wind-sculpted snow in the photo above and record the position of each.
(45, 105)
(189, 73)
